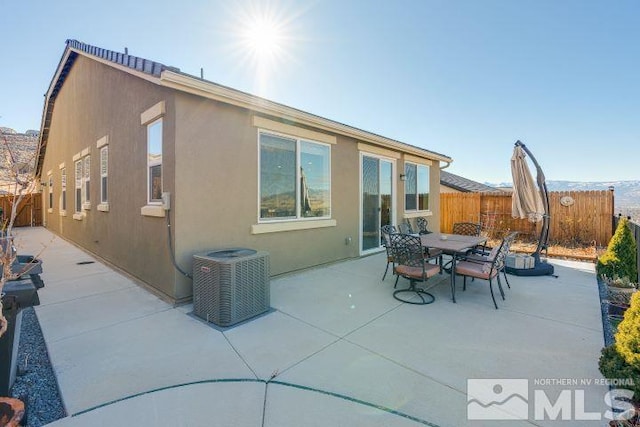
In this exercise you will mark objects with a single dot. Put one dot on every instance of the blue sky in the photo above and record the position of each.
(463, 78)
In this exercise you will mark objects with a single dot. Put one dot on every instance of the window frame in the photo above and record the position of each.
(104, 174)
(298, 216)
(86, 182)
(78, 181)
(63, 191)
(50, 184)
(417, 182)
(155, 163)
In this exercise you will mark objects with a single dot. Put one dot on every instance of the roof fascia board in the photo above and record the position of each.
(56, 76)
(216, 92)
(117, 66)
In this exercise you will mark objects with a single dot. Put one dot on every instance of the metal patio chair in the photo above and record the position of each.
(405, 227)
(485, 256)
(487, 270)
(423, 225)
(467, 228)
(410, 263)
(385, 232)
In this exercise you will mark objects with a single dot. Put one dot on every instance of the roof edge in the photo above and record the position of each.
(187, 83)
(172, 77)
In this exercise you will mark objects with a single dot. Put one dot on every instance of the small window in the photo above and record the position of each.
(416, 187)
(63, 189)
(87, 180)
(104, 159)
(50, 192)
(78, 186)
(154, 162)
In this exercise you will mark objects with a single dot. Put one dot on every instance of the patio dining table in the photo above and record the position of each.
(454, 245)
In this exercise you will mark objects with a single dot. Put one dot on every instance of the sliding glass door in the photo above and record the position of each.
(376, 199)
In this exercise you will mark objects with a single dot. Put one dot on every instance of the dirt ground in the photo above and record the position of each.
(583, 253)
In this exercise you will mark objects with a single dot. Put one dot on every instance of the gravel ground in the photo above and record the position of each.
(604, 308)
(36, 383)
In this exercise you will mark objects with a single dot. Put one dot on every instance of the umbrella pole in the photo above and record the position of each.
(543, 241)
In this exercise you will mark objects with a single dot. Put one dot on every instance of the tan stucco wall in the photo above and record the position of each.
(97, 100)
(216, 200)
(210, 167)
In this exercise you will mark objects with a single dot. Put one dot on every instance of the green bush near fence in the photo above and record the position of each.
(621, 361)
(620, 258)
(628, 335)
(613, 367)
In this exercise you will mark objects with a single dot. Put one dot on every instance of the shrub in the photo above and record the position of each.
(620, 258)
(628, 335)
(622, 359)
(613, 367)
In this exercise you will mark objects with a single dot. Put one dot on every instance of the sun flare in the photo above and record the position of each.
(264, 37)
(263, 41)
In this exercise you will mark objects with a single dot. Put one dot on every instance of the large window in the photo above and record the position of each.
(104, 171)
(295, 178)
(416, 187)
(154, 161)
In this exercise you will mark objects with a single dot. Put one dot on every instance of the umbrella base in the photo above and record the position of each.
(540, 269)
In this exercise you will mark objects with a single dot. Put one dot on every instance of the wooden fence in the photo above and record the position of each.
(585, 220)
(29, 210)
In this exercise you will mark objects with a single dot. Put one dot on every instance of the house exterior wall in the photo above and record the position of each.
(216, 203)
(96, 101)
(210, 168)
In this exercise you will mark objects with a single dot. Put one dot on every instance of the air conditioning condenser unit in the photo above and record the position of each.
(230, 285)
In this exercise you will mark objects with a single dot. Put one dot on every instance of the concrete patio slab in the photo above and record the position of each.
(79, 315)
(159, 350)
(276, 342)
(354, 294)
(79, 286)
(224, 404)
(346, 352)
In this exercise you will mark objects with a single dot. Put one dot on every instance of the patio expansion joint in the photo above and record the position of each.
(564, 322)
(87, 296)
(420, 374)
(240, 356)
(122, 322)
(338, 337)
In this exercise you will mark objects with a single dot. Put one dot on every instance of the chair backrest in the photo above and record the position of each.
(467, 228)
(407, 250)
(510, 239)
(385, 231)
(405, 227)
(423, 225)
(498, 262)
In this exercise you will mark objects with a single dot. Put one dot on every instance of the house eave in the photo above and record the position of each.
(65, 64)
(206, 89)
(172, 78)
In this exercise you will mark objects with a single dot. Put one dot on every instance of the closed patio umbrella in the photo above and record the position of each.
(531, 202)
(525, 200)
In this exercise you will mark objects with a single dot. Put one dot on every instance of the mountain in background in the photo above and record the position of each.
(15, 149)
(626, 193)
